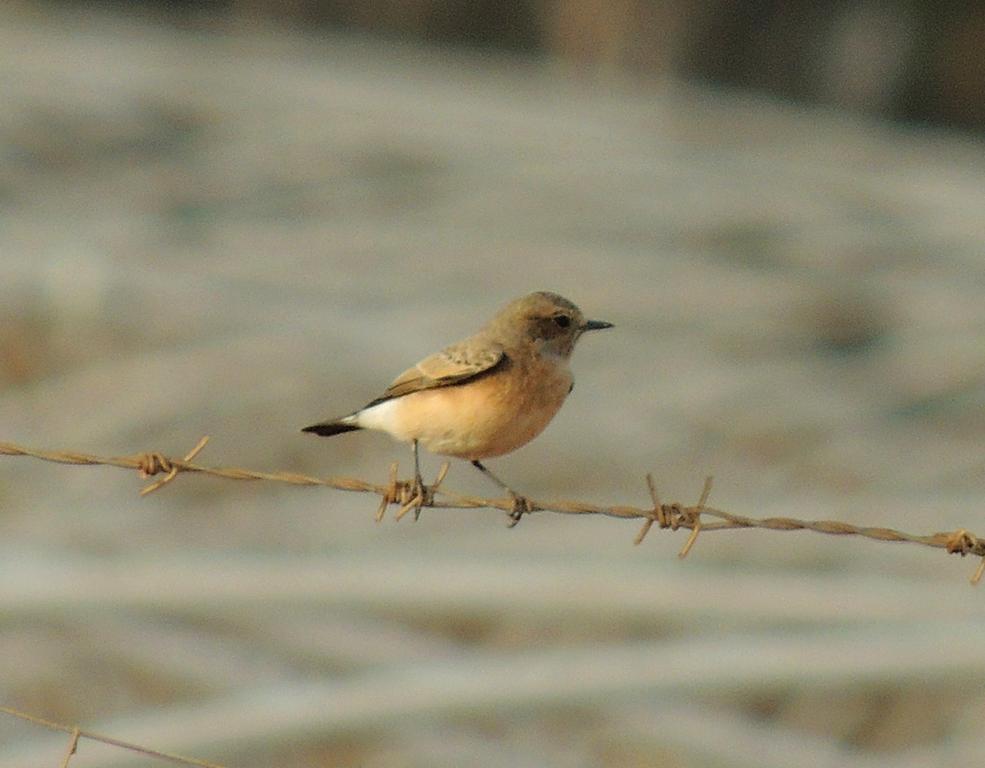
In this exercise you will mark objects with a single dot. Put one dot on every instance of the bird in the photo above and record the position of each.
(484, 396)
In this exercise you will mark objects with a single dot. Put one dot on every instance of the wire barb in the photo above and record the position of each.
(73, 746)
(655, 516)
(693, 519)
(149, 464)
(404, 493)
(411, 494)
(77, 734)
(962, 542)
(391, 493)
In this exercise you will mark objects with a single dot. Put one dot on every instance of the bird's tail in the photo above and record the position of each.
(333, 427)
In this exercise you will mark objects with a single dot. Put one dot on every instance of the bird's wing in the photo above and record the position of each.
(452, 365)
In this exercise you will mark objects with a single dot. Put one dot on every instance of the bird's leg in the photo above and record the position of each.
(414, 495)
(419, 490)
(520, 503)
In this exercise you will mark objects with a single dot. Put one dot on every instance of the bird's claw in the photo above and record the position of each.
(417, 496)
(521, 506)
(423, 496)
(410, 494)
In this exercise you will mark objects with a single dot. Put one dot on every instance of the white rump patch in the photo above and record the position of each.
(380, 417)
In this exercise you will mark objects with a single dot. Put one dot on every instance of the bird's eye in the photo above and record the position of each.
(562, 321)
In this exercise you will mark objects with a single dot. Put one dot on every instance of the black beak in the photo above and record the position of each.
(595, 325)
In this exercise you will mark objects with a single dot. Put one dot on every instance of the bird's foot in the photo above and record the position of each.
(414, 494)
(423, 496)
(521, 506)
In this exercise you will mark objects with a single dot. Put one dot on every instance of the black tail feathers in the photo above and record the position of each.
(329, 428)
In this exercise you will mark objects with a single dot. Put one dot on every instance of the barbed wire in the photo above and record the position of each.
(411, 496)
(75, 734)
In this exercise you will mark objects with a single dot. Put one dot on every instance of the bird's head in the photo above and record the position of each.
(548, 321)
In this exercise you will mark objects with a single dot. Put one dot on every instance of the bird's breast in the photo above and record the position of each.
(490, 415)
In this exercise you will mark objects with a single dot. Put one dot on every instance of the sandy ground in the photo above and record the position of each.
(239, 232)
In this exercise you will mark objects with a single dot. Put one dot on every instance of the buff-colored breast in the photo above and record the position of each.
(489, 416)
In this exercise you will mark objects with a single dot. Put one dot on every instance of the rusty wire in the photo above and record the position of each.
(76, 734)
(409, 497)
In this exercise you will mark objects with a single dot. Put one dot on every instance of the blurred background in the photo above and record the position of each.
(236, 218)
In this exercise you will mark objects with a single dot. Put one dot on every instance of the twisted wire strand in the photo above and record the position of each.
(409, 497)
(76, 734)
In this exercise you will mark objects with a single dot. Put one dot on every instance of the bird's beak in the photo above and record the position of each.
(595, 325)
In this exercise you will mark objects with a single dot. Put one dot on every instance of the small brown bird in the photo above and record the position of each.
(486, 395)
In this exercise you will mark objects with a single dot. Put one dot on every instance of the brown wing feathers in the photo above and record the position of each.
(454, 365)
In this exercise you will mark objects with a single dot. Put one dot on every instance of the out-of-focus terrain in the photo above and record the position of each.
(236, 233)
